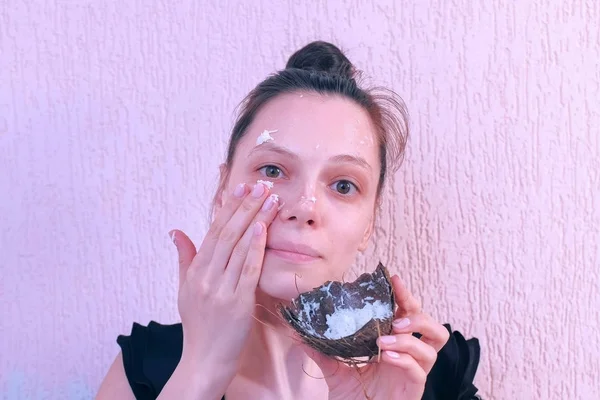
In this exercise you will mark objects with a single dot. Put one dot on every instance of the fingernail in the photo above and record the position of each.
(401, 323)
(258, 190)
(258, 229)
(172, 237)
(387, 339)
(239, 190)
(270, 202)
(392, 354)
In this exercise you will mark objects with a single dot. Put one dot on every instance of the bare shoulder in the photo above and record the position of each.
(115, 385)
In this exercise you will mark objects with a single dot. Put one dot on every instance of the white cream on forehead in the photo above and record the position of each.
(367, 139)
(265, 136)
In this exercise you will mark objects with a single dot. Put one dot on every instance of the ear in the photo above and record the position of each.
(367, 235)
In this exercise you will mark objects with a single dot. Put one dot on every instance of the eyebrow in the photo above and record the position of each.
(340, 158)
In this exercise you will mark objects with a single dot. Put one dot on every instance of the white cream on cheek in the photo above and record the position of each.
(268, 184)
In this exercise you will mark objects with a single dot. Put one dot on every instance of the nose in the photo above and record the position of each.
(303, 211)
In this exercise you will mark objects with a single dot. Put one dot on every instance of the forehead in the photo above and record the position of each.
(307, 120)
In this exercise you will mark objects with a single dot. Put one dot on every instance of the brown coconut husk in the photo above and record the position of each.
(332, 295)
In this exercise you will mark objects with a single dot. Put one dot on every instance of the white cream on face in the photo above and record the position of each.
(268, 184)
(307, 199)
(368, 140)
(265, 136)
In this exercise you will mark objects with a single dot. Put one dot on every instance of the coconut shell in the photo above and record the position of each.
(308, 312)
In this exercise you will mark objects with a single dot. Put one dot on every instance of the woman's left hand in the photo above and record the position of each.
(405, 360)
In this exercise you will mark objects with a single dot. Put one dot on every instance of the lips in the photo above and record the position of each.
(293, 249)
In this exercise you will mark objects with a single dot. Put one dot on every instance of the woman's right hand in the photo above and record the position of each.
(217, 284)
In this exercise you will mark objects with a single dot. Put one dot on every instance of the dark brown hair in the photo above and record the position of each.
(323, 68)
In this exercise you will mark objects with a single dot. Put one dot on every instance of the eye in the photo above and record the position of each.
(344, 187)
(271, 171)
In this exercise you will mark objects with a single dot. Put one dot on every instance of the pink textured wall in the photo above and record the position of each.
(115, 114)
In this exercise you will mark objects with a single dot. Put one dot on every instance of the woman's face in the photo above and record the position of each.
(323, 162)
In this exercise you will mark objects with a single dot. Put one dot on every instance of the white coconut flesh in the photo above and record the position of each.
(343, 321)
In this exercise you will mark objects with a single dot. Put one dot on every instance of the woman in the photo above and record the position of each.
(297, 199)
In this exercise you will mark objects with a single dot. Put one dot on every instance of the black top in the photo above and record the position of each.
(150, 355)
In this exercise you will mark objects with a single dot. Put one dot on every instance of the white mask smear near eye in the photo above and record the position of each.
(265, 136)
(268, 184)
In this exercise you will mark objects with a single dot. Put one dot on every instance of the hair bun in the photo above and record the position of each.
(324, 57)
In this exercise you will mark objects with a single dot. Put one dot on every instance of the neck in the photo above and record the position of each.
(272, 358)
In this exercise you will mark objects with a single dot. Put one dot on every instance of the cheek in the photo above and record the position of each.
(235, 178)
(348, 228)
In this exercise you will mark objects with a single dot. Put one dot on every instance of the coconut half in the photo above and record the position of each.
(344, 320)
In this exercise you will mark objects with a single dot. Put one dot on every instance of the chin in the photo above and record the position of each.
(284, 281)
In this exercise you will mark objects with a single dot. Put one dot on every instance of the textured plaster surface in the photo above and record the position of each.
(114, 116)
